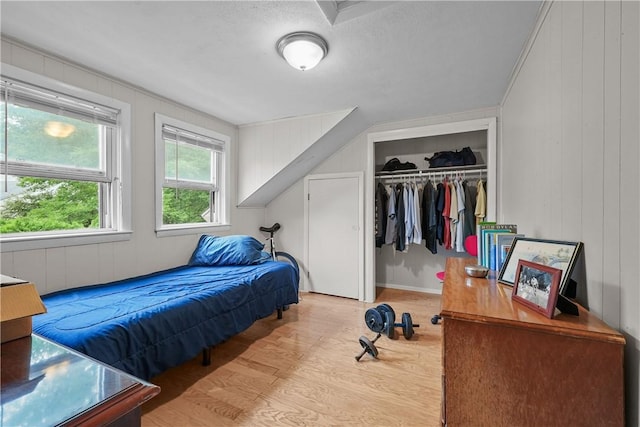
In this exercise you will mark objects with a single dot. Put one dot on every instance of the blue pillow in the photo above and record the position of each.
(228, 250)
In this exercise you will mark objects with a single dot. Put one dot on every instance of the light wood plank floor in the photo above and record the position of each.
(301, 371)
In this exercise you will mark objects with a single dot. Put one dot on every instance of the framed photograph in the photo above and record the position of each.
(537, 286)
(552, 253)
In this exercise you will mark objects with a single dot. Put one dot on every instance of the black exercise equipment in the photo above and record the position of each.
(368, 346)
(377, 322)
(407, 325)
(382, 319)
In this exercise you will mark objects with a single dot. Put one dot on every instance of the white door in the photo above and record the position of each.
(334, 234)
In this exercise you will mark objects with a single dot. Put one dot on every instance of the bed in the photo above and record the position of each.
(147, 324)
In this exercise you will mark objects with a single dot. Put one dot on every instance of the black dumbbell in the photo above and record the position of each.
(375, 321)
(368, 346)
(407, 325)
(383, 318)
(389, 316)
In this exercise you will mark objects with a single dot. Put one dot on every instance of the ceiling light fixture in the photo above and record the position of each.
(302, 50)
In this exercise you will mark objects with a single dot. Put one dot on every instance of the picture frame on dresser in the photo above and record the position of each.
(552, 253)
(537, 286)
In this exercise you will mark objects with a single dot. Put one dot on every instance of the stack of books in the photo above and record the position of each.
(494, 242)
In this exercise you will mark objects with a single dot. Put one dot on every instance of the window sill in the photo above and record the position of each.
(25, 243)
(181, 230)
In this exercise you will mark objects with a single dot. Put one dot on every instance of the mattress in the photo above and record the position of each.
(147, 324)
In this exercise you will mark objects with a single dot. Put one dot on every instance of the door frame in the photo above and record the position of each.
(361, 225)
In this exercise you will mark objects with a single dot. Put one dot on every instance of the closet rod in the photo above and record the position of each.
(433, 172)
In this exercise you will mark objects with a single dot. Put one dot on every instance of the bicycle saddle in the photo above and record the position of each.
(275, 227)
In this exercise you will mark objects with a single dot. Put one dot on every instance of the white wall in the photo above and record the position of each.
(267, 148)
(65, 267)
(569, 154)
(411, 271)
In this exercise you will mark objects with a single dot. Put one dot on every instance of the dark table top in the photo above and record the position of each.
(44, 383)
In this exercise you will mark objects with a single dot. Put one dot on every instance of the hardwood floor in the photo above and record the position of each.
(301, 371)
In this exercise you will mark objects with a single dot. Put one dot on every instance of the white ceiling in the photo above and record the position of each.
(393, 60)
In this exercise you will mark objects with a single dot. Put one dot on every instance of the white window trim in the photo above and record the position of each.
(123, 154)
(163, 230)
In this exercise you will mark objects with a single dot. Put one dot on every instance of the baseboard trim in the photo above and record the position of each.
(436, 291)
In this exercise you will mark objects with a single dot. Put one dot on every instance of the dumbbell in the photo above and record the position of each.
(383, 319)
(375, 321)
(368, 346)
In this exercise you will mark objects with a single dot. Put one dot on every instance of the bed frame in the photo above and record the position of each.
(147, 324)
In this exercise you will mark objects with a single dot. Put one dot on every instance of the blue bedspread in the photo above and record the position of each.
(147, 324)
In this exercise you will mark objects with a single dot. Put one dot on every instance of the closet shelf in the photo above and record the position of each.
(411, 173)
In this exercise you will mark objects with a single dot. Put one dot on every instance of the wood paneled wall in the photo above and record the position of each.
(268, 148)
(569, 154)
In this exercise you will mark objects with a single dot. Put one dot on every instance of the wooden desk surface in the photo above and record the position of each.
(44, 383)
(487, 300)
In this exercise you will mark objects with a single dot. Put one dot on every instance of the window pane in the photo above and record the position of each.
(43, 138)
(194, 163)
(180, 206)
(38, 204)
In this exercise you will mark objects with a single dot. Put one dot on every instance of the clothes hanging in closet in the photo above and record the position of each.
(481, 203)
(417, 226)
(408, 214)
(400, 219)
(459, 246)
(429, 220)
(439, 213)
(470, 193)
(390, 236)
(442, 214)
(382, 200)
(446, 211)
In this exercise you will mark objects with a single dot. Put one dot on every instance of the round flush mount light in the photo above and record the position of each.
(302, 50)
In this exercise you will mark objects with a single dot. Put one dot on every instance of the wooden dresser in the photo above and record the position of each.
(506, 365)
(44, 383)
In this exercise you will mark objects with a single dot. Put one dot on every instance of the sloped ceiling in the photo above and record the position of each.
(394, 60)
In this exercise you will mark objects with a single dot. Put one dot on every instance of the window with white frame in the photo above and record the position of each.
(190, 175)
(61, 160)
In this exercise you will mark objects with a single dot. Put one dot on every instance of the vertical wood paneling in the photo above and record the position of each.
(6, 263)
(79, 77)
(31, 266)
(534, 176)
(53, 69)
(247, 155)
(611, 166)
(5, 52)
(526, 193)
(106, 263)
(282, 138)
(599, 200)
(554, 115)
(592, 146)
(27, 59)
(56, 272)
(125, 261)
(277, 144)
(571, 153)
(629, 170)
(630, 201)
(85, 256)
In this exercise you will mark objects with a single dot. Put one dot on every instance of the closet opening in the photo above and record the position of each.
(406, 189)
